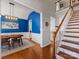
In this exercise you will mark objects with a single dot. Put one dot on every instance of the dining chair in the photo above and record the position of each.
(6, 42)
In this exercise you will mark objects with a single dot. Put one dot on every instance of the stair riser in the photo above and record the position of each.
(72, 30)
(73, 26)
(74, 18)
(71, 39)
(74, 21)
(72, 34)
(70, 45)
(69, 52)
(72, 42)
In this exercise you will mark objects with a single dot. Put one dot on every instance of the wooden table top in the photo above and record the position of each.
(11, 36)
(4, 37)
(16, 36)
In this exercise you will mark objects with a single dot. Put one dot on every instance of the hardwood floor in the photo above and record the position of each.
(34, 52)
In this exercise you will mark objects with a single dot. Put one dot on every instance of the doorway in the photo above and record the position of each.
(30, 29)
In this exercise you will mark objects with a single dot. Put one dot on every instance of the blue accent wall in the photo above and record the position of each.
(23, 25)
(35, 17)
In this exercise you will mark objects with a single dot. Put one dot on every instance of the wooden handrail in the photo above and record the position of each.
(57, 31)
(61, 23)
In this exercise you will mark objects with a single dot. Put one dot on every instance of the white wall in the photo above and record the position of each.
(52, 27)
(52, 24)
(45, 30)
(60, 15)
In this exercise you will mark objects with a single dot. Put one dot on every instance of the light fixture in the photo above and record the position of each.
(11, 17)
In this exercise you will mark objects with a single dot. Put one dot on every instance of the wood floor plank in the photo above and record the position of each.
(34, 52)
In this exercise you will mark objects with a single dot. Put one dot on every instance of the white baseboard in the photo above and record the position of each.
(45, 45)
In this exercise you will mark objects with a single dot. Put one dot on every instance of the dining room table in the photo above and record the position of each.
(12, 37)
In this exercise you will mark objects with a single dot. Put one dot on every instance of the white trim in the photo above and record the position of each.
(45, 45)
(41, 28)
(0, 37)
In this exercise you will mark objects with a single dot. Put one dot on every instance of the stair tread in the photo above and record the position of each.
(66, 56)
(74, 22)
(73, 28)
(71, 42)
(73, 25)
(71, 39)
(75, 16)
(73, 19)
(70, 48)
(71, 36)
(71, 31)
(76, 46)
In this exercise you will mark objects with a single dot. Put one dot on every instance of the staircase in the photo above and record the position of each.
(69, 48)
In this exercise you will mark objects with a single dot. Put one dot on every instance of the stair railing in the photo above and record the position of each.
(59, 40)
(59, 32)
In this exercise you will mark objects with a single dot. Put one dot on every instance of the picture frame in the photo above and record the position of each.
(46, 24)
